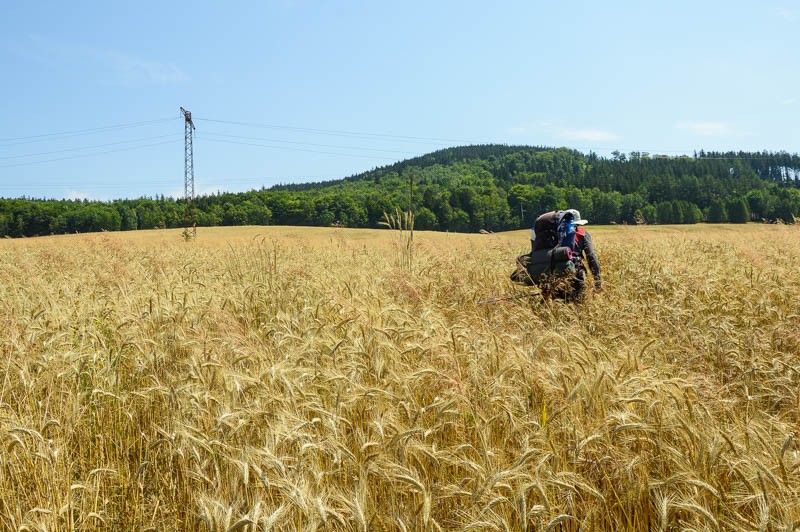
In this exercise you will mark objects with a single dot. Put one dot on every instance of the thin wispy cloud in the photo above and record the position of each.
(787, 14)
(789, 101)
(115, 65)
(135, 70)
(531, 127)
(592, 135)
(550, 128)
(711, 129)
(519, 130)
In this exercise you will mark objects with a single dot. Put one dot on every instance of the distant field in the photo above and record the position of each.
(318, 378)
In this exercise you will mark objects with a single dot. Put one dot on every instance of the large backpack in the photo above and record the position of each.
(545, 230)
(548, 265)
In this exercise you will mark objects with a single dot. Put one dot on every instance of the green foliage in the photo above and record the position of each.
(649, 214)
(606, 207)
(690, 213)
(717, 212)
(665, 213)
(425, 219)
(738, 211)
(466, 189)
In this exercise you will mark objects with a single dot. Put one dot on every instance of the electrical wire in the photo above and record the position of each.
(301, 149)
(65, 150)
(87, 154)
(653, 153)
(276, 144)
(402, 138)
(359, 148)
(408, 138)
(13, 141)
(205, 182)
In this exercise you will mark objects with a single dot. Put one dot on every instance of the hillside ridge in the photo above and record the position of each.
(466, 189)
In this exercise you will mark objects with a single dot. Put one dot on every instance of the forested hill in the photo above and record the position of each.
(469, 188)
(445, 157)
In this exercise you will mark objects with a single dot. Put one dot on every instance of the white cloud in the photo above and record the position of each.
(125, 68)
(552, 129)
(786, 14)
(593, 135)
(711, 129)
(132, 69)
(531, 127)
(519, 130)
(789, 101)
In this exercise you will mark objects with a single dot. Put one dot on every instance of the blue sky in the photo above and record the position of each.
(294, 90)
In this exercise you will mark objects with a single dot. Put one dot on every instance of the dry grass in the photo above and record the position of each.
(295, 378)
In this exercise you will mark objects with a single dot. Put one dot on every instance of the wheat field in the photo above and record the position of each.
(274, 378)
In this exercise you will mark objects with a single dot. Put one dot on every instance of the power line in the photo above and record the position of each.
(87, 155)
(360, 148)
(653, 152)
(236, 139)
(285, 148)
(49, 136)
(410, 138)
(208, 182)
(403, 138)
(95, 146)
(301, 149)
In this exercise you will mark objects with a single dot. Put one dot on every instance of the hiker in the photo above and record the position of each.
(560, 247)
(572, 235)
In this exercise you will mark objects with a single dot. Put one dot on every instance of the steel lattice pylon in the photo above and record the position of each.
(190, 217)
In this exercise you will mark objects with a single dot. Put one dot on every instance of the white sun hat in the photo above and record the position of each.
(576, 217)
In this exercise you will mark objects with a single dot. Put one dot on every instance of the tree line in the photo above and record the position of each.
(467, 189)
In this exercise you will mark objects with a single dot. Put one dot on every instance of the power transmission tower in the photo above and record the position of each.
(190, 217)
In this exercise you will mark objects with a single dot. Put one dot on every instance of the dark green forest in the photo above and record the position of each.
(468, 189)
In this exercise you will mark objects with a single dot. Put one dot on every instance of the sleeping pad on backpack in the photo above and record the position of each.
(542, 264)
